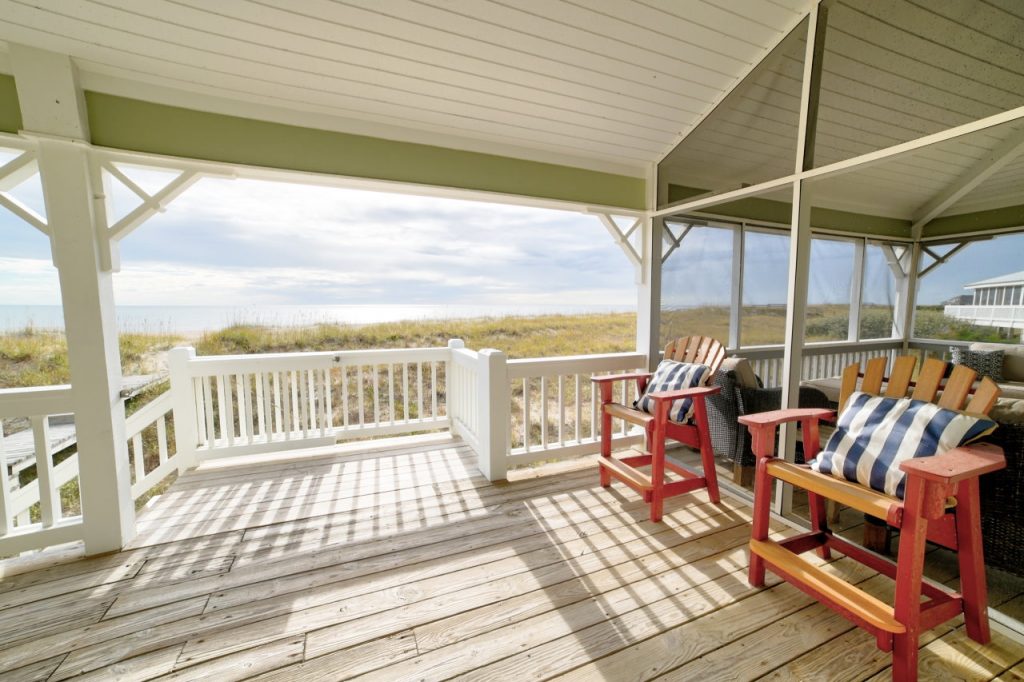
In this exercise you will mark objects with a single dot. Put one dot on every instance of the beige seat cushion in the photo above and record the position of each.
(1008, 411)
(1013, 359)
(744, 372)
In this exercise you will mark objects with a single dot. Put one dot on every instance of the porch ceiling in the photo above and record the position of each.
(607, 84)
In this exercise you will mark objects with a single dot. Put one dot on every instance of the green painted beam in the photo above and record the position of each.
(993, 219)
(772, 211)
(10, 109)
(134, 125)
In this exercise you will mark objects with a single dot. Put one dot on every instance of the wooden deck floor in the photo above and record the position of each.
(405, 564)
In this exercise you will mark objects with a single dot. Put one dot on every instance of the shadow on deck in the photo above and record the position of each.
(395, 560)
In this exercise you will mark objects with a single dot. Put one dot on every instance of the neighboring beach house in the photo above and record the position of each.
(997, 302)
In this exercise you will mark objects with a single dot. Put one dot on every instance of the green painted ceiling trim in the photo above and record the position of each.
(996, 218)
(131, 124)
(773, 211)
(10, 109)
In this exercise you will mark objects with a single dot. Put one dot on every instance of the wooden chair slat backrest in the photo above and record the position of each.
(984, 398)
(874, 373)
(928, 380)
(954, 393)
(899, 378)
(702, 349)
(849, 384)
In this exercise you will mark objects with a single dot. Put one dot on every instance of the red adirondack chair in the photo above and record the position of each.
(926, 512)
(658, 427)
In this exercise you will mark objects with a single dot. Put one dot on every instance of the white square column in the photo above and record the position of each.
(90, 323)
(54, 116)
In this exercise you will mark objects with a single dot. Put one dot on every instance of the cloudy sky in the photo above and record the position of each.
(246, 242)
(232, 242)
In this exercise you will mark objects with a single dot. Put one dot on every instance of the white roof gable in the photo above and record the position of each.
(1012, 278)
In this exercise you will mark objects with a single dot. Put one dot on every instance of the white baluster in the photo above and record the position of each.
(49, 499)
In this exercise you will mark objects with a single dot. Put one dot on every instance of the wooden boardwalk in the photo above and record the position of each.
(404, 564)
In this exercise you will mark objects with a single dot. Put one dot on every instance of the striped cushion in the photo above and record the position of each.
(875, 434)
(672, 376)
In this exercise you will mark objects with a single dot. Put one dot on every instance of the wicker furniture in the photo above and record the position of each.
(1002, 503)
(731, 440)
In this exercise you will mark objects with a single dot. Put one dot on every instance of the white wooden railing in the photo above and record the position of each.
(146, 429)
(230, 405)
(821, 360)
(18, 532)
(554, 407)
(512, 412)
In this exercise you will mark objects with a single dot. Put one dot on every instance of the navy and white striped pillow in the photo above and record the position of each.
(875, 434)
(672, 376)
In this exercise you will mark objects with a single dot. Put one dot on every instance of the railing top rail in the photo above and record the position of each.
(574, 364)
(224, 364)
(149, 413)
(937, 343)
(816, 348)
(35, 401)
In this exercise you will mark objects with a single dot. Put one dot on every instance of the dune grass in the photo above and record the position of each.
(518, 337)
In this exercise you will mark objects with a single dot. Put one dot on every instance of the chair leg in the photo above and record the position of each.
(606, 434)
(972, 563)
(762, 511)
(909, 572)
(819, 521)
(657, 476)
(707, 452)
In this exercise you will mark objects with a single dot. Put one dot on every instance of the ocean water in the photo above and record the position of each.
(192, 319)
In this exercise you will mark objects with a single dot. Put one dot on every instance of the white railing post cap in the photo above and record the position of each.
(456, 343)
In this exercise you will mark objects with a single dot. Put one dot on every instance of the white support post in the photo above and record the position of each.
(495, 410)
(451, 391)
(856, 290)
(796, 309)
(736, 290)
(909, 293)
(183, 402)
(52, 106)
(648, 301)
(800, 243)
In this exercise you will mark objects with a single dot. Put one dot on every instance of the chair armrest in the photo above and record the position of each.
(776, 417)
(621, 377)
(957, 464)
(764, 424)
(685, 393)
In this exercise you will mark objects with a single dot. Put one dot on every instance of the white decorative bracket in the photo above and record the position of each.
(939, 259)
(12, 174)
(622, 237)
(105, 171)
(673, 241)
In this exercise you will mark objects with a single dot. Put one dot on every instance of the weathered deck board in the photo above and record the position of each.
(398, 561)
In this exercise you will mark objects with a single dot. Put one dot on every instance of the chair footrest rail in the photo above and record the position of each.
(835, 592)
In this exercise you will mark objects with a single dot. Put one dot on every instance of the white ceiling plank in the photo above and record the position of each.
(328, 54)
(918, 50)
(386, 101)
(766, 13)
(727, 39)
(886, 63)
(428, 97)
(930, 24)
(688, 54)
(439, 61)
(1008, 151)
(468, 35)
(116, 81)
